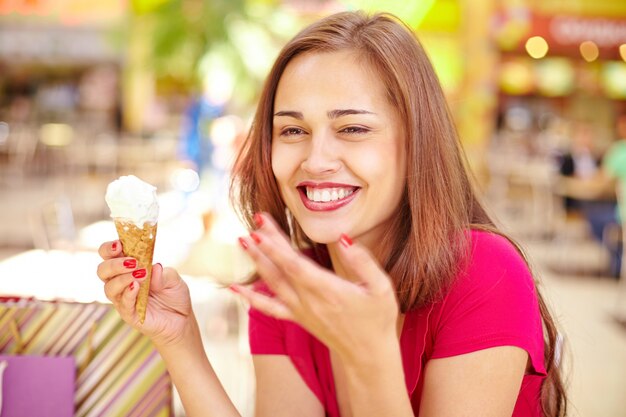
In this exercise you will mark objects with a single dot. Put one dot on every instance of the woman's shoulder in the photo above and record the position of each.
(493, 250)
(493, 302)
(491, 241)
(493, 262)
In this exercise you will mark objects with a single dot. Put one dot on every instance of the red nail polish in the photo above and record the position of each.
(114, 246)
(130, 263)
(345, 240)
(131, 286)
(255, 237)
(140, 273)
(258, 220)
(243, 243)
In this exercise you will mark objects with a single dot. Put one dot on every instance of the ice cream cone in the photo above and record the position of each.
(138, 243)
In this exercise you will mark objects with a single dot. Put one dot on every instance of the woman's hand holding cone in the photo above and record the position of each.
(169, 306)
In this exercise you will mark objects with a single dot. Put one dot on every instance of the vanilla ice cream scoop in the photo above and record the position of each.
(133, 200)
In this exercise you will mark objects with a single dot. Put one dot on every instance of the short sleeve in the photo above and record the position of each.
(493, 303)
(266, 334)
(615, 160)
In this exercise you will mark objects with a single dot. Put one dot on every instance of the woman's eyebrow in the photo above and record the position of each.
(295, 114)
(333, 114)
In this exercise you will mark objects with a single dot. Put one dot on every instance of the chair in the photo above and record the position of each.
(21, 145)
(52, 225)
(55, 139)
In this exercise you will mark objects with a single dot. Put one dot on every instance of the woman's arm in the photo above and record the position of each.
(199, 388)
(375, 382)
(172, 327)
(354, 315)
(484, 383)
(280, 390)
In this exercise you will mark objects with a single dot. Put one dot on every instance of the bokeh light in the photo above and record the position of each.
(589, 51)
(185, 179)
(537, 47)
(56, 134)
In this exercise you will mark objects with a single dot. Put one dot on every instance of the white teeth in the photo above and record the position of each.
(327, 194)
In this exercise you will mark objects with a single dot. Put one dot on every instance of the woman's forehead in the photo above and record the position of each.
(329, 62)
(343, 77)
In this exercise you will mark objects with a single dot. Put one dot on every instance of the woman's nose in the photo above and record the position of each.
(321, 158)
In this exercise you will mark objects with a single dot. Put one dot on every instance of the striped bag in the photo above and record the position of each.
(118, 371)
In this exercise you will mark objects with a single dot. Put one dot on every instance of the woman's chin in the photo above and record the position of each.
(323, 236)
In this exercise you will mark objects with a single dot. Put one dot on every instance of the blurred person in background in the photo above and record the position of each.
(614, 167)
(588, 186)
(578, 164)
(383, 288)
(196, 146)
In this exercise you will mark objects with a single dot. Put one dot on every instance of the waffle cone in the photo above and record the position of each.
(138, 243)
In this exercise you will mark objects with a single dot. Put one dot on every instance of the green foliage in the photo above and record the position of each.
(184, 41)
(183, 30)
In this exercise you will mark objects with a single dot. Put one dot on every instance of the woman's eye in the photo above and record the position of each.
(291, 131)
(354, 130)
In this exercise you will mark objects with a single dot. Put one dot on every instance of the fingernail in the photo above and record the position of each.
(243, 243)
(345, 240)
(140, 273)
(234, 289)
(258, 220)
(131, 286)
(255, 237)
(114, 246)
(130, 263)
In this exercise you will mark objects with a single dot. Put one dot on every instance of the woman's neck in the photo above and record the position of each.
(337, 264)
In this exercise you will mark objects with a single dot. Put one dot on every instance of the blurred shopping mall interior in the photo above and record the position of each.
(165, 90)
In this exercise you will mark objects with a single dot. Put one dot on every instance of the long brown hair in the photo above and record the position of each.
(426, 238)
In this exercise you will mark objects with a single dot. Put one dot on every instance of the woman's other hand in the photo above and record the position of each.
(169, 303)
(354, 315)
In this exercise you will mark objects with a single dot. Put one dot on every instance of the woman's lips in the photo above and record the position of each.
(326, 191)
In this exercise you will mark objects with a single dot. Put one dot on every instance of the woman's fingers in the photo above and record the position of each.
(117, 266)
(265, 304)
(361, 265)
(301, 272)
(109, 250)
(265, 222)
(127, 301)
(271, 275)
(113, 288)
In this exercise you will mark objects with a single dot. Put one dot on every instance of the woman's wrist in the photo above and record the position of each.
(376, 382)
(188, 338)
(372, 358)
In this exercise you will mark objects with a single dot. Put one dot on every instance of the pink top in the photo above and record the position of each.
(493, 302)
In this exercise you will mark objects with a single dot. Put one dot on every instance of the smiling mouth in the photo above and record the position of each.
(325, 198)
(325, 195)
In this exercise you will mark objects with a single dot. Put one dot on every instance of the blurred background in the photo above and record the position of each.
(165, 90)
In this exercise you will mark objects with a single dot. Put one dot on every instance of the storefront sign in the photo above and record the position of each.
(564, 34)
(55, 44)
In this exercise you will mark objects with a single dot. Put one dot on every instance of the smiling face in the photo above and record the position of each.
(338, 151)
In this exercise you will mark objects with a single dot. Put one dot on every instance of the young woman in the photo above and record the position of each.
(385, 289)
